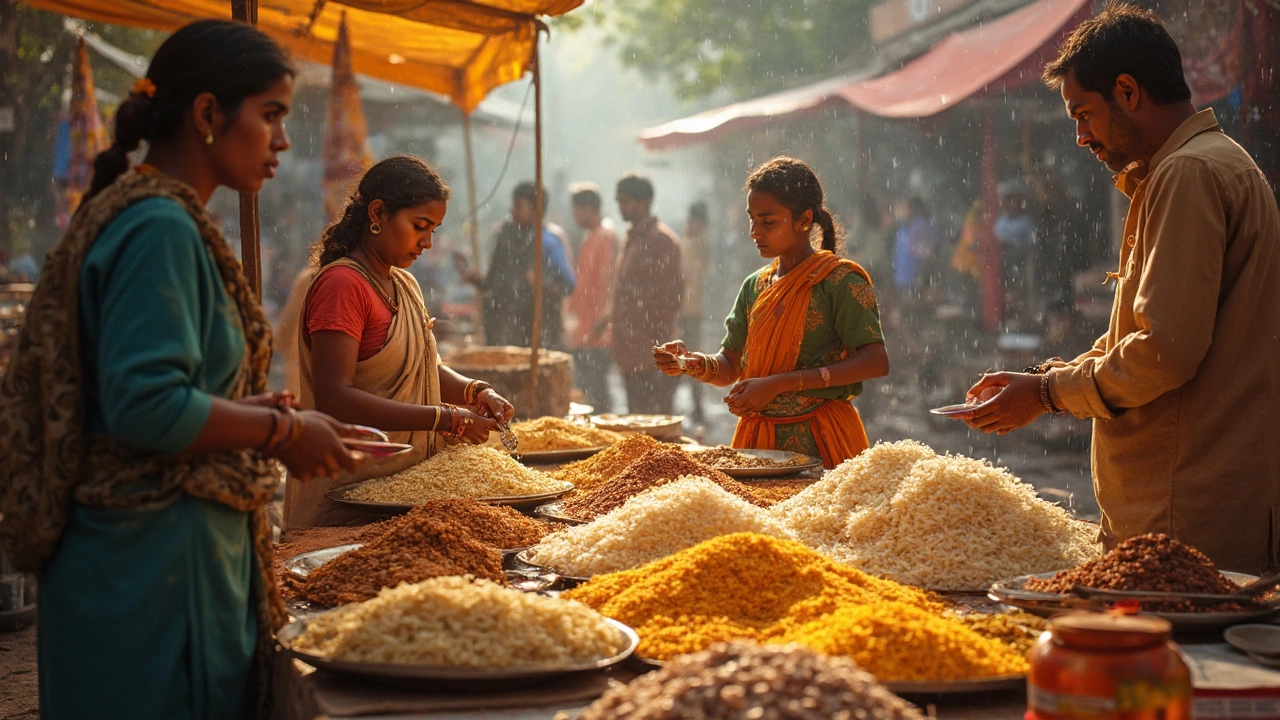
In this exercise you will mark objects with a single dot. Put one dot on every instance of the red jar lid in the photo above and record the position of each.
(1107, 631)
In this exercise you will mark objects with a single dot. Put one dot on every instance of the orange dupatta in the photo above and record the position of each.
(775, 328)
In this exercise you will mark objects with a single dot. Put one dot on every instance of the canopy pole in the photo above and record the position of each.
(250, 239)
(536, 338)
(475, 217)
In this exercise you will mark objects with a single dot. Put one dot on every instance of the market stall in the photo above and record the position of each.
(931, 574)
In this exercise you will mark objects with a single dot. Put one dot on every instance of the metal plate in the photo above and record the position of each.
(302, 565)
(523, 557)
(1010, 592)
(659, 426)
(936, 687)
(554, 511)
(339, 493)
(543, 457)
(768, 472)
(957, 687)
(451, 673)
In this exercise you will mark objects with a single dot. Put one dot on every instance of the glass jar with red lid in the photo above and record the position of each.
(1094, 666)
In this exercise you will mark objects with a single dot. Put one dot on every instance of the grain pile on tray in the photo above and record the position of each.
(456, 621)
(755, 587)
(746, 681)
(723, 456)
(552, 433)
(605, 465)
(652, 525)
(902, 512)
(660, 465)
(1154, 562)
(421, 546)
(473, 471)
(494, 525)
(772, 492)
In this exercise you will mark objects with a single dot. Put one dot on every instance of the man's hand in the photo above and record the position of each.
(1009, 401)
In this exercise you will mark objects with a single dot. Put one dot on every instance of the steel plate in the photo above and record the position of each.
(957, 687)
(427, 674)
(659, 426)
(769, 472)
(545, 457)
(338, 495)
(523, 557)
(302, 565)
(553, 511)
(1010, 592)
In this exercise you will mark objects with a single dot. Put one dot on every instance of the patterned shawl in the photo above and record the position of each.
(46, 458)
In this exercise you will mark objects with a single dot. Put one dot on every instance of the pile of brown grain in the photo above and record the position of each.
(743, 681)
(660, 465)
(497, 526)
(605, 465)
(1153, 562)
(420, 547)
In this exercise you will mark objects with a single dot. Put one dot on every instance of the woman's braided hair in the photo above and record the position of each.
(229, 59)
(399, 182)
(796, 187)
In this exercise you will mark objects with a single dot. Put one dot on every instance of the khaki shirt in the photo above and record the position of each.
(1184, 388)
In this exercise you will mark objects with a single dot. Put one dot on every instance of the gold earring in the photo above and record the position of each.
(375, 228)
(208, 138)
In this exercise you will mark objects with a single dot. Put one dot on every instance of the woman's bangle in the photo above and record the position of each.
(472, 391)
(285, 433)
(800, 381)
(273, 437)
(436, 424)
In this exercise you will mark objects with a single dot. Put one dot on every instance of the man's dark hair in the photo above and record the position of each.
(586, 195)
(528, 191)
(1122, 39)
(636, 186)
(698, 211)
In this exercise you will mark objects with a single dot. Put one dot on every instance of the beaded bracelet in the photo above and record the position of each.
(1046, 397)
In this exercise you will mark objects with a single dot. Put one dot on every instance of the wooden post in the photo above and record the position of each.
(475, 217)
(250, 239)
(8, 55)
(536, 338)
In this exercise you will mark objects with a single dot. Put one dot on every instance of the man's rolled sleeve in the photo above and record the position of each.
(1174, 305)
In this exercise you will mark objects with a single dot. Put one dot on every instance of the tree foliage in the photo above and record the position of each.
(747, 47)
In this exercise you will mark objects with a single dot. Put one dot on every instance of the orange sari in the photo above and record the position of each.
(774, 331)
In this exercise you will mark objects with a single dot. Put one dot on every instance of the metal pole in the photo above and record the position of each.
(475, 217)
(250, 239)
(536, 339)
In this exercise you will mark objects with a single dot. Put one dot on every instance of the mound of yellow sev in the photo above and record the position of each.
(755, 587)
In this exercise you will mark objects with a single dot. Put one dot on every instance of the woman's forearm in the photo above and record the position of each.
(233, 426)
(452, 385)
(728, 370)
(865, 363)
(358, 407)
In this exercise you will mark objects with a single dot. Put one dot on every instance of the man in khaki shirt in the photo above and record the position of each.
(1184, 388)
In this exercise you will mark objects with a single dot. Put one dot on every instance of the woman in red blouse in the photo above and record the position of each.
(366, 351)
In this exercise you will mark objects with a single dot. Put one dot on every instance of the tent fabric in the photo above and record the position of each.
(459, 48)
(346, 148)
(998, 55)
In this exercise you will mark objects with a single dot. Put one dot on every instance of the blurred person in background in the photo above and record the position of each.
(1184, 387)
(590, 300)
(695, 252)
(648, 290)
(804, 333)
(915, 242)
(1015, 229)
(508, 285)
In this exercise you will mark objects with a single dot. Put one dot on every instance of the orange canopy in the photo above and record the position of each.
(459, 48)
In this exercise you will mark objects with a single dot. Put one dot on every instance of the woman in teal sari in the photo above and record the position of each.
(135, 430)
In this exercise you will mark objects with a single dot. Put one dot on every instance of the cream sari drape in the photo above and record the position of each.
(406, 370)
